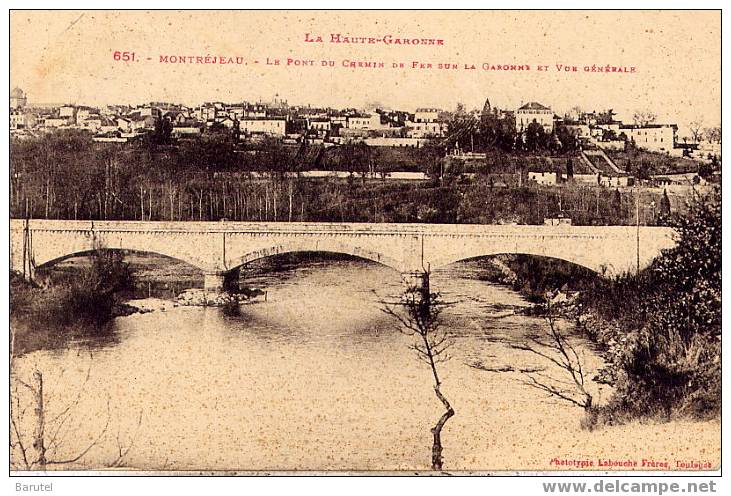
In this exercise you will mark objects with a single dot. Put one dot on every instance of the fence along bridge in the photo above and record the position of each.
(220, 248)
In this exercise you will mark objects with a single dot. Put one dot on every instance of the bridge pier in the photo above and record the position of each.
(221, 281)
(214, 282)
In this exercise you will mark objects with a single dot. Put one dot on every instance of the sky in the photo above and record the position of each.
(68, 57)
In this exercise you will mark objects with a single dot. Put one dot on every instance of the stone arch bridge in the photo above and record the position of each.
(219, 248)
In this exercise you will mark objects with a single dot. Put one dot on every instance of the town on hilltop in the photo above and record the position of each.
(504, 148)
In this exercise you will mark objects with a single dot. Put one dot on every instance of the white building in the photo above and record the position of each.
(67, 111)
(544, 178)
(425, 129)
(18, 119)
(56, 122)
(92, 123)
(271, 127)
(365, 121)
(319, 124)
(427, 115)
(653, 137)
(534, 112)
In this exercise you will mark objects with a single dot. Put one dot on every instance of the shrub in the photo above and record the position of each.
(670, 364)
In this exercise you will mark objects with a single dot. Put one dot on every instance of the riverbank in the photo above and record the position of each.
(659, 330)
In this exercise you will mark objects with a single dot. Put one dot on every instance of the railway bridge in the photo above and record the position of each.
(220, 248)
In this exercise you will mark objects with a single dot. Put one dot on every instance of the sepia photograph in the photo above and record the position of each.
(364, 242)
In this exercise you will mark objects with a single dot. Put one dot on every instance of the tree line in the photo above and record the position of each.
(67, 176)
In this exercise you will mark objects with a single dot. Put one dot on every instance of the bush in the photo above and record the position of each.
(670, 364)
(86, 298)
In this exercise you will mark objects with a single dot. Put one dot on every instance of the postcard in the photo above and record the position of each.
(379, 242)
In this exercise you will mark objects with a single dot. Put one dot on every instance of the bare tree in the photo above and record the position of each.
(696, 129)
(418, 313)
(556, 348)
(39, 449)
(713, 134)
(644, 117)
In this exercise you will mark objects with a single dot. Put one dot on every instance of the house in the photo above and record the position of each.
(177, 117)
(427, 115)
(56, 121)
(18, 118)
(320, 124)
(615, 181)
(652, 137)
(534, 112)
(227, 121)
(92, 123)
(124, 124)
(559, 220)
(209, 111)
(364, 121)
(142, 120)
(544, 178)
(270, 127)
(425, 129)
(68, 112)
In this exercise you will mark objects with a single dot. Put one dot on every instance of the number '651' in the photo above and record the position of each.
(124, 56)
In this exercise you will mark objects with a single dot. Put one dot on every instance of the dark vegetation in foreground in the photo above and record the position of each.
(660, 329)
(670, 361)
(51, 313)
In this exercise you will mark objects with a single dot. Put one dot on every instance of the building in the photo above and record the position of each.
(544, 178)
(271, 127)
(227, 121)
(319, 124)
(425, 129)
(653, 137)
(67, 112)
(534, 112)
(559, 220)
(124, 124)
(427, 115)
(92, 123)
(56, 121)
(18, 99)
(364, 121)
(610, 181)
(18, 118)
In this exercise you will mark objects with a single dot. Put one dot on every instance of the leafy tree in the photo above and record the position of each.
(568, 140)
(672, 363)
(162, 131)
(535, 137)
(665, 210)
(617, 202)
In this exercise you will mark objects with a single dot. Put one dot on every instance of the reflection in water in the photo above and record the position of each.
(316, 377)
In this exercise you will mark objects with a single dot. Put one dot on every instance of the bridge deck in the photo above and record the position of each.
(328, 227)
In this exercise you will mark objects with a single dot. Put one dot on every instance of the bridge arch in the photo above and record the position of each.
(586, 262)
(545, 258)
(51, 262)
(318, 246)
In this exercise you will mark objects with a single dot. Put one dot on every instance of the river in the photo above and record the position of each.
(317, 377)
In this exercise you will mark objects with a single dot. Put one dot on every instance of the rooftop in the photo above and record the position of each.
(533, 106)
